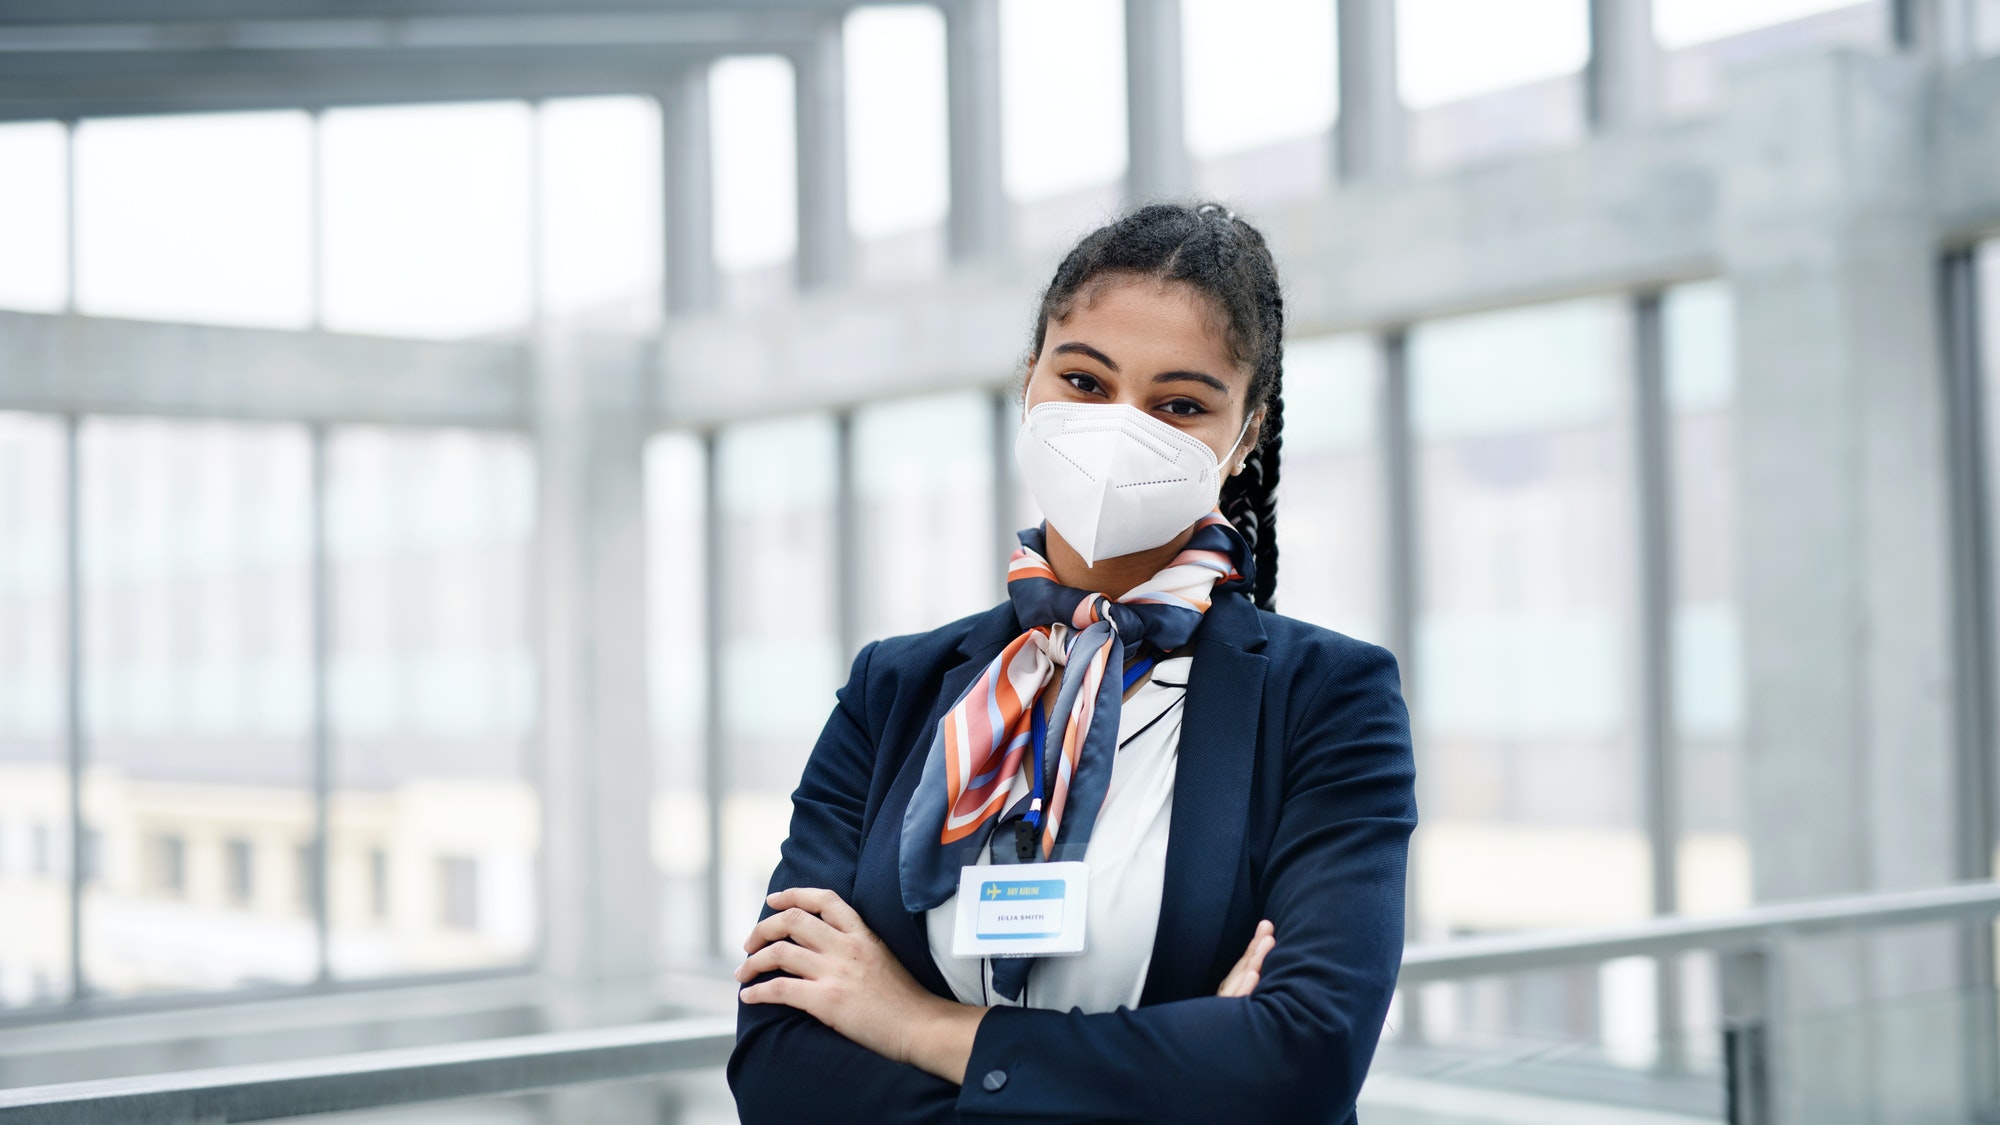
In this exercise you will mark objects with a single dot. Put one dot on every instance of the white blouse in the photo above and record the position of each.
(1127, 855)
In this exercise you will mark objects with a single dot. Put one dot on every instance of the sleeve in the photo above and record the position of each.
(787, 1066)
(1299, 1046)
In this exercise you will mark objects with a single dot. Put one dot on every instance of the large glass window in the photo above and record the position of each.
(755, 177)
(1260, 97)
(1525, 641)
(425, 219)
(34, 263)
(1703, 40)
(923, 472)
(1483, 79)
(435, 824)
(1062, 122)
(898, 164)
(1330, 502)
(677, 602)
(1524, 628)
(34, 779)
(781, 661)
(196, 553)
(599, 210)
(204, 217)
(1698, 346)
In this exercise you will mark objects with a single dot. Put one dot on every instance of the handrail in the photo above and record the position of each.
(1509, 953)
(527, 1063)
(374, 1079)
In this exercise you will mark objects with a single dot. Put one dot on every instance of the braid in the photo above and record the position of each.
(1207, 246)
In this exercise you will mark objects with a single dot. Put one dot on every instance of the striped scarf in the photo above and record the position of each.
(1074, 637)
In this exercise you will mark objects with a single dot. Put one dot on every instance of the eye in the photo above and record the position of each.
(1184, 408)
(1083, 381)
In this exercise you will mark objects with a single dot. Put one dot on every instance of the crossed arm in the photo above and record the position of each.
(1299, 1044)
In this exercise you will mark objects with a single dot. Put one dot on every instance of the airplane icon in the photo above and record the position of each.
(992, 890)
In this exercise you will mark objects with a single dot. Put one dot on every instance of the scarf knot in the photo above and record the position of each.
(981, 742)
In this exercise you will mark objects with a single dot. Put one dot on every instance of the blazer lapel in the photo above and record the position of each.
(1207, 866)
(878, 880)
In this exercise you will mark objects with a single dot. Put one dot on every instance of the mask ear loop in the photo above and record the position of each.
(1234, 446)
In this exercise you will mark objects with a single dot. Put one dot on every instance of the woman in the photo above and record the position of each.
(1224, 795)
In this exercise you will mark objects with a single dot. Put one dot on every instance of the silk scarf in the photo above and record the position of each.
(997, 722)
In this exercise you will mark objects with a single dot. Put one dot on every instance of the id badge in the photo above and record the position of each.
(1021, 909)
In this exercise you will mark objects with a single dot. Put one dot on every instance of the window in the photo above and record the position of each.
(1260, 97)
(432, 687)
(1697, 339)
(755, 176)
(1703, 40)
(239, 874)
(196, 569)
(378, 882)
(1331, 531)
(777, 522)
(458, 892)
(898, 173)
(33, 199)
(1524, 634)
(34, 786)
(411, 197)
(169, 862)
(203, 217)
(677, 600)
(1062, 126)
(927, 544)
(1482, 79)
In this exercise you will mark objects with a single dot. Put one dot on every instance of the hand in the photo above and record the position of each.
(847, 978)
(1242, 978)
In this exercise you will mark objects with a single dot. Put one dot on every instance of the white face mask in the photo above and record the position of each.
(1114, 479)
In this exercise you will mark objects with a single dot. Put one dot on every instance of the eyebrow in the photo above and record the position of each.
(1078, 347)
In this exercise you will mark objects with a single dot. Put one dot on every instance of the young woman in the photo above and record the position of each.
(1215, 801)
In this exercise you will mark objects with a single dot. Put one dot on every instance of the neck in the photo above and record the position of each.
(1110, 577)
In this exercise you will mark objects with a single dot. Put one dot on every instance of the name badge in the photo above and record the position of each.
(1021, 909)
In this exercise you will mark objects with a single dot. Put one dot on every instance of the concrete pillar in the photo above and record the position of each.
(978, 223)
(1156, 136)
(1369, 135)
(688, 183)
(1941, 30)
(591, 426)
(1843, 493)
(820, 86)
(1620, 82)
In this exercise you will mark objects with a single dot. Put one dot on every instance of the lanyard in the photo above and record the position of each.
(1029, 827)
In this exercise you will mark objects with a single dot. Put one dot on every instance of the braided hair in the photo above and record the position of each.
(1204, 245)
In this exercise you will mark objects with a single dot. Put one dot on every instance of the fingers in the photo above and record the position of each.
(795, 923)
(1248, 970)
(779, 955)
(822, 902)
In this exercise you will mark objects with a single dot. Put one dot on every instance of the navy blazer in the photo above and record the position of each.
(1293, 800)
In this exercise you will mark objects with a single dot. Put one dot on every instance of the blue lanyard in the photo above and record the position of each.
(1028, 831)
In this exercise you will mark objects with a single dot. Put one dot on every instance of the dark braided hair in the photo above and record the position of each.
(1204, 245)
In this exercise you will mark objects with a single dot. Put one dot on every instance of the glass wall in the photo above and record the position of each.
(1697, 341)
(676, 604)
(34, 777)
(1331, 532)
(923, 475)
(1524, 628)
(781, 658)
(435, 822)
(1525, 642)
(1261, 94)
(1482, 79)
(197, 790)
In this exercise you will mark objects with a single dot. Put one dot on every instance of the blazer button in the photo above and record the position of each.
(994, 1080)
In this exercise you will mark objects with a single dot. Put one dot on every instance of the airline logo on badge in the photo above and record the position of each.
(1025, 908)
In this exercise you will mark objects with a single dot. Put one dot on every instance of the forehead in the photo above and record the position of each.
(1147, 323)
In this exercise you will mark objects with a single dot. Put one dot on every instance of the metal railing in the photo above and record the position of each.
(377, 1079)
(1750, 944)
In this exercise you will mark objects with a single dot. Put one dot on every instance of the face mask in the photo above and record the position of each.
(1114, 479)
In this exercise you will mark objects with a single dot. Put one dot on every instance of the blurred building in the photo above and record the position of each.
(451, 450)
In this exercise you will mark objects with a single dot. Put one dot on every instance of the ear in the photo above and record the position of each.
(1241, 454)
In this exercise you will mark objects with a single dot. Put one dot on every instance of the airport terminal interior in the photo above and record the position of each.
(450, 451)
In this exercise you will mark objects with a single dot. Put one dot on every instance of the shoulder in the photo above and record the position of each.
(911, 665)
(1314, 658)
